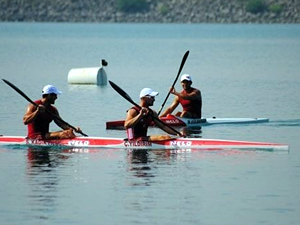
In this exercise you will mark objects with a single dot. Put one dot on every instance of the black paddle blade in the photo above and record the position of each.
(179, 71)
(122, 92)
(181, 66)
(19, 91)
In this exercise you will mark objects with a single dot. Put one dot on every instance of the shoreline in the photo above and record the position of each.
(163, 11)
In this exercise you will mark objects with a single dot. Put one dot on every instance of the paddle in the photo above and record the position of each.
(127, 97)
(32, 102)
(179, 71)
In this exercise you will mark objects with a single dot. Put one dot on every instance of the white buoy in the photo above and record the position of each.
(92, 75)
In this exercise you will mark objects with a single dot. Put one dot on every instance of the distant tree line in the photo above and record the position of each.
(152, 11)
(260, 6)
(252, 6)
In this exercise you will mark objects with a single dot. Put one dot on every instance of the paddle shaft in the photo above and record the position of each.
(34, 103)
(128, 98)
(179, 71)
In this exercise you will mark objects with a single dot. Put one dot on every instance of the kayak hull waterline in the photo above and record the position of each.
(189, 122)
(120, 143)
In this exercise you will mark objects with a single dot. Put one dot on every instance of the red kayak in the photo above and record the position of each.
(120, 143)
(192, 122)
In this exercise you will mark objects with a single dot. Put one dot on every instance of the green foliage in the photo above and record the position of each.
(256, 6)
(132, 6)
(163, 9)
(276, 8)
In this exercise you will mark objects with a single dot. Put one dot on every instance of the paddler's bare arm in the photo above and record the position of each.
(31, 113)
(171, 108)
(133, 117)
(62, 125)
(196, 94)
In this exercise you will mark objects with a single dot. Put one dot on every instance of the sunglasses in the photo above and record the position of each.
(149, 96)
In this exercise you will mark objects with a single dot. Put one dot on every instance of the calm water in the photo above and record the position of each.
(242, 71)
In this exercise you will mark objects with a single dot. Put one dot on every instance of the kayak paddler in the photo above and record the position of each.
(38, 119)
(190, 99)
(138, 119)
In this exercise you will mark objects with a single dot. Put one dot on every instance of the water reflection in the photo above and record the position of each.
(283, 123)
(139, 165)
(144, 164)
(194, 132)
(44, 160)
(43, 179)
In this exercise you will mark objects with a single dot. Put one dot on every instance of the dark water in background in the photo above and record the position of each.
(242, 71)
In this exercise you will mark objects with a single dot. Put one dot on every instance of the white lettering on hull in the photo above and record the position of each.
(181, 143)
(194, 121)
(41, 142)
(175, 121)
(78, 143)
(137, 143)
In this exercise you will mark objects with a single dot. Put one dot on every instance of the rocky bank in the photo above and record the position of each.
(162, 11)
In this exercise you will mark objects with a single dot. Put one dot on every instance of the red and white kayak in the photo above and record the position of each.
(192, 122)
(119, 143)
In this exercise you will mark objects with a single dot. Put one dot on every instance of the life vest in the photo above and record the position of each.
(141, 128)
(40, 126)
(193, 106)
